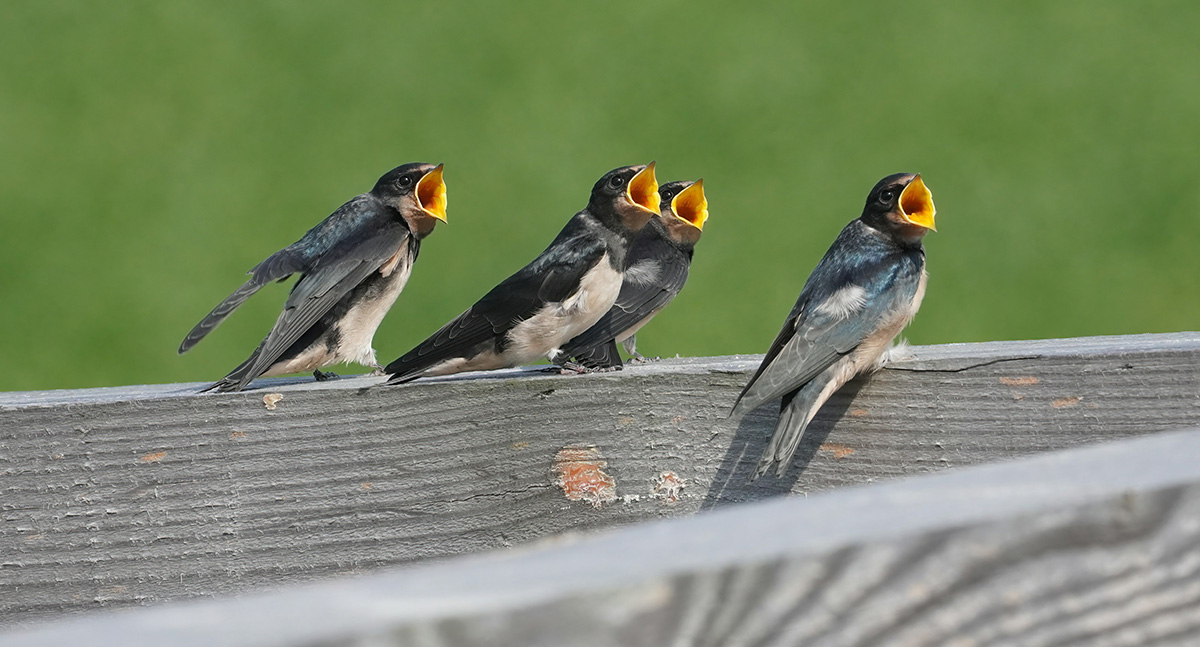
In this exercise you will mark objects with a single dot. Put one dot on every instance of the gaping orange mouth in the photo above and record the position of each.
(916, 204)
(431, 194)
(691, 205)
(643, 189)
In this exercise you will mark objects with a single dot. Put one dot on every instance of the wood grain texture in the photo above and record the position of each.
(125, 496)
(1095, 546)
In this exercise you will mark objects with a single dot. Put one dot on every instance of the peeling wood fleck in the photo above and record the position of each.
(582, 478)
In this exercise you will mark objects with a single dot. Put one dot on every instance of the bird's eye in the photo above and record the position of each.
(405, 181)
(616, 181)
(886, 197)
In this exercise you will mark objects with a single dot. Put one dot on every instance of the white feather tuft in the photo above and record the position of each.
(643, 272)
(845, 302)
(899, 350)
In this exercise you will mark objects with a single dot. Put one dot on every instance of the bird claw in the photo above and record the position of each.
(637, 358)
(572, 368)
(321, 377)
(575, 368)
(602, 369)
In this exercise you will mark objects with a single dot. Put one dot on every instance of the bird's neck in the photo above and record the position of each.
(420, 225)
(616, 237)
(910, 237)
(903, 236)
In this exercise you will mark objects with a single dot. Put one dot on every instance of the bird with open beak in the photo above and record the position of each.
(867, 287)
(563, 292)
(352, 266)
(658, 267)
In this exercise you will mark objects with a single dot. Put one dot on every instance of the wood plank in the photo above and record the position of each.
(127, 496)
(1096, 546)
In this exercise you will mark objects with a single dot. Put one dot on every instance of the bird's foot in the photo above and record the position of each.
(378, 372)
(638, 358)
(321, 377)
(569, 368)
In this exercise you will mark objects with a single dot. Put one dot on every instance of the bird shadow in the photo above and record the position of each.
(734, 481)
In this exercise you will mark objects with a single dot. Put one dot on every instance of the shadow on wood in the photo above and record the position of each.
(749, 442)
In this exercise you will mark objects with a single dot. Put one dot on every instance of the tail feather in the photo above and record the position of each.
(601, 356)
(219, 314)
(796, 411)
(238, 378)
(276, 267)
(401, 379)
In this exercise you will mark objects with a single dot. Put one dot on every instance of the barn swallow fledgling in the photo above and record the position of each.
(565, 290)
(864, 291)
(658, 267)
(352, 267)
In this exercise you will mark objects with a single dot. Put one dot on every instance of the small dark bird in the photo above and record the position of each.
(565, 290)
(862, 293)
(658, 267)
(352, 267)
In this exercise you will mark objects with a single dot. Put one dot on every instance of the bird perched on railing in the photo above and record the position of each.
(867, 287)
(658, 267)
(566, 289)
(352, 266)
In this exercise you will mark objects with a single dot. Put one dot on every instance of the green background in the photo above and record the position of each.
(150, 153)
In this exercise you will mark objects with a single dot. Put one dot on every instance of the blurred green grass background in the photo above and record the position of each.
(151, 152)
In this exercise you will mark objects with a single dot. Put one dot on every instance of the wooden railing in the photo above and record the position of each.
(138, 495)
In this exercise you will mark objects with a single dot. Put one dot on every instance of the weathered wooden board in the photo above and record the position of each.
(135, 495)
(1095, 546)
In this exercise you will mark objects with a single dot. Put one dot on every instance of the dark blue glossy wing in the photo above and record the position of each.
(333, 258)
(333, 238)
(317, 292)
(654, 278)
(553, 276)
(817, 332)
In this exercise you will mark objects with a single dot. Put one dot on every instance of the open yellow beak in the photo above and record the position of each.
(916, 203)
(643, 189)
(691, 205)
(431, 194)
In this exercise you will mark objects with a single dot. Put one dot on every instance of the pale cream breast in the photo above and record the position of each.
(871, 348)
(556, 323)
(357, 328)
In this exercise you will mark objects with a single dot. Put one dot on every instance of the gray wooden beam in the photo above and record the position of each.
(126, 496)
(1096, 546)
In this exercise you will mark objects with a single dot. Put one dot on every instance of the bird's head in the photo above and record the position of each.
(684, 210)
(629, 193)
(418, 192)
(902, 206)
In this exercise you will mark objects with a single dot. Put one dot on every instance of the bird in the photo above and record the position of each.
(863, 292)
(658, 268)
(352, 266)
(561, 293)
